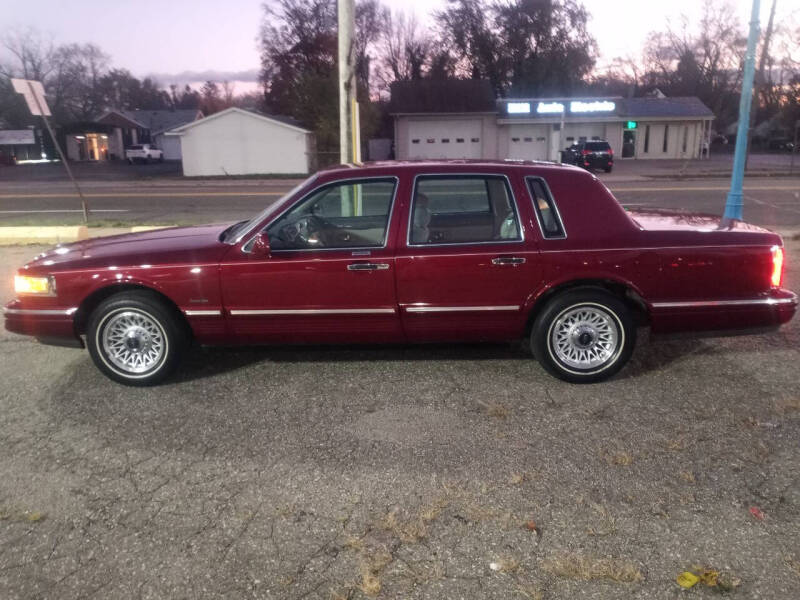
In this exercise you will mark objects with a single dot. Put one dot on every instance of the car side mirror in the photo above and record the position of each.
(261, 246)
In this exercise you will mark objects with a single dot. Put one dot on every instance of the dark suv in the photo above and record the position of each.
(595, 154)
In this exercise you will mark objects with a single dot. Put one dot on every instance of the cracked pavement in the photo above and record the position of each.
(401, 472)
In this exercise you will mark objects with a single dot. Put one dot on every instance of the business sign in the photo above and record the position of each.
(16, 137)
(33, 92)
(519, 108)
(579, 106)
(556, 107)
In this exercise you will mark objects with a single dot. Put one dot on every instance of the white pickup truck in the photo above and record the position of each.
(144, 153)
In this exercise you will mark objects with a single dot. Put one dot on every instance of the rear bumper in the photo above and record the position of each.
(52, 325)
(767, 311)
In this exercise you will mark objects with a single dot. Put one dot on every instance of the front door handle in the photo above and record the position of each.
(367, 267)
(508, 260)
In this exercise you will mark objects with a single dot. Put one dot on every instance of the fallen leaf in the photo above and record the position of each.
(756, 512)
(687, 580)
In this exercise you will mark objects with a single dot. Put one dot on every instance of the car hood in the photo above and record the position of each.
(174, 245)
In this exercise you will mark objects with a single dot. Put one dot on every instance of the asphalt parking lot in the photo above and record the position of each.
(404, 472)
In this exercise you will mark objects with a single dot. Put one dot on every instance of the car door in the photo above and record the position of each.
(465, 268)
(330, 274)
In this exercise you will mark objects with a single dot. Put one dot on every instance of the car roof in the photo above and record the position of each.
(454, 165)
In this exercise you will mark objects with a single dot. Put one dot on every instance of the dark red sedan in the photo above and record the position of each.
(410, 252)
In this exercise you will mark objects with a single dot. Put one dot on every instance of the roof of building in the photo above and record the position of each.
(426, 96)
(681, 106)
(275, 119)
(442, 96)
(162, 120)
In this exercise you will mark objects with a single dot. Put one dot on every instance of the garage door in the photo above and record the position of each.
(445, 139)
(587, 131)
(528, 142)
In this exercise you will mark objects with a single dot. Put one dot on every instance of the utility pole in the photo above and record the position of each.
(349, 139)
(733, 205)
(760, 80)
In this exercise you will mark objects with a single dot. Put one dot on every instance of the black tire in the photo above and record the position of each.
(608, 169)
(610, 318)
(159, 335)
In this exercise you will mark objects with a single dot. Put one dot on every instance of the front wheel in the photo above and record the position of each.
(583, 336)
(136, 339)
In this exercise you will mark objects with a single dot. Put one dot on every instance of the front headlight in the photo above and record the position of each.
(38, 286)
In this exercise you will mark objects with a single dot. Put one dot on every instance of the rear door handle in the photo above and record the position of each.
(508, 260)
(367, 266)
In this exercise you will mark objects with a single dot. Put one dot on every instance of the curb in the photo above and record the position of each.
(43, 235)
(20, 236)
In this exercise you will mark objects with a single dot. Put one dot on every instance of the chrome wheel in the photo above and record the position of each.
(586, 337)
(133, 341)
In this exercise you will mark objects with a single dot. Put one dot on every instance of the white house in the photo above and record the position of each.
(119, 129)
(240, 142)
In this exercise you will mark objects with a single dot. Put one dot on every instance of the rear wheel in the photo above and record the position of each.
(583, 336)
(608, 169)
(136, 339)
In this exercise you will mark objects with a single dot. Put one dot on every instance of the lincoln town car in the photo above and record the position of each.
(410, 252)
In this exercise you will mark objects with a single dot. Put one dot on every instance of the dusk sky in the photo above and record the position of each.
(167, 38)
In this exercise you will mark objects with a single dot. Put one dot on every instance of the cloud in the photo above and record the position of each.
(192, 77)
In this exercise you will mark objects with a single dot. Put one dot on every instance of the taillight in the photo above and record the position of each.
(610, 152)
(585, 152)
(777, 266)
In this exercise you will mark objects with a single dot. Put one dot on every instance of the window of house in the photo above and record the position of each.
(459, 140)
(416, 141)
(666, 138)
(475, 139)
(445, 140)
(463, 209)
(528, 139)
(514, 139)
(348, 214)
(647, 138)
(546, 211)
(431, 140)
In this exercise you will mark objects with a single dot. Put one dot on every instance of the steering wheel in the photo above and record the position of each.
(305, 231)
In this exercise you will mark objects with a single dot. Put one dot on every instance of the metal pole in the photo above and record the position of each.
(347, 88)
(794, 147)
(733, 205)
(84, 206)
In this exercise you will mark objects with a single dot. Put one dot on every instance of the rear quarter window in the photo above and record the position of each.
(546, 210)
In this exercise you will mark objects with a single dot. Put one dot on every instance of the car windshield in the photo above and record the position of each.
(234, 233)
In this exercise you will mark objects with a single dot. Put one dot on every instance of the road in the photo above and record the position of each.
(321, 473)
(771, 202)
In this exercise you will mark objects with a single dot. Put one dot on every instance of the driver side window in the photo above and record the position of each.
(347, 214)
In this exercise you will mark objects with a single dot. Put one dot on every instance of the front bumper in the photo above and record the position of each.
(50, 325)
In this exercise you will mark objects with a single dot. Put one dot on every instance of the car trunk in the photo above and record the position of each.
(698, 259)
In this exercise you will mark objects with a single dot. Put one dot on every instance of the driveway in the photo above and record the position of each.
(405, 472)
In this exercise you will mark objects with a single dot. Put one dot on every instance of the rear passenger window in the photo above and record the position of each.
(546, 211)
(462, 209)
